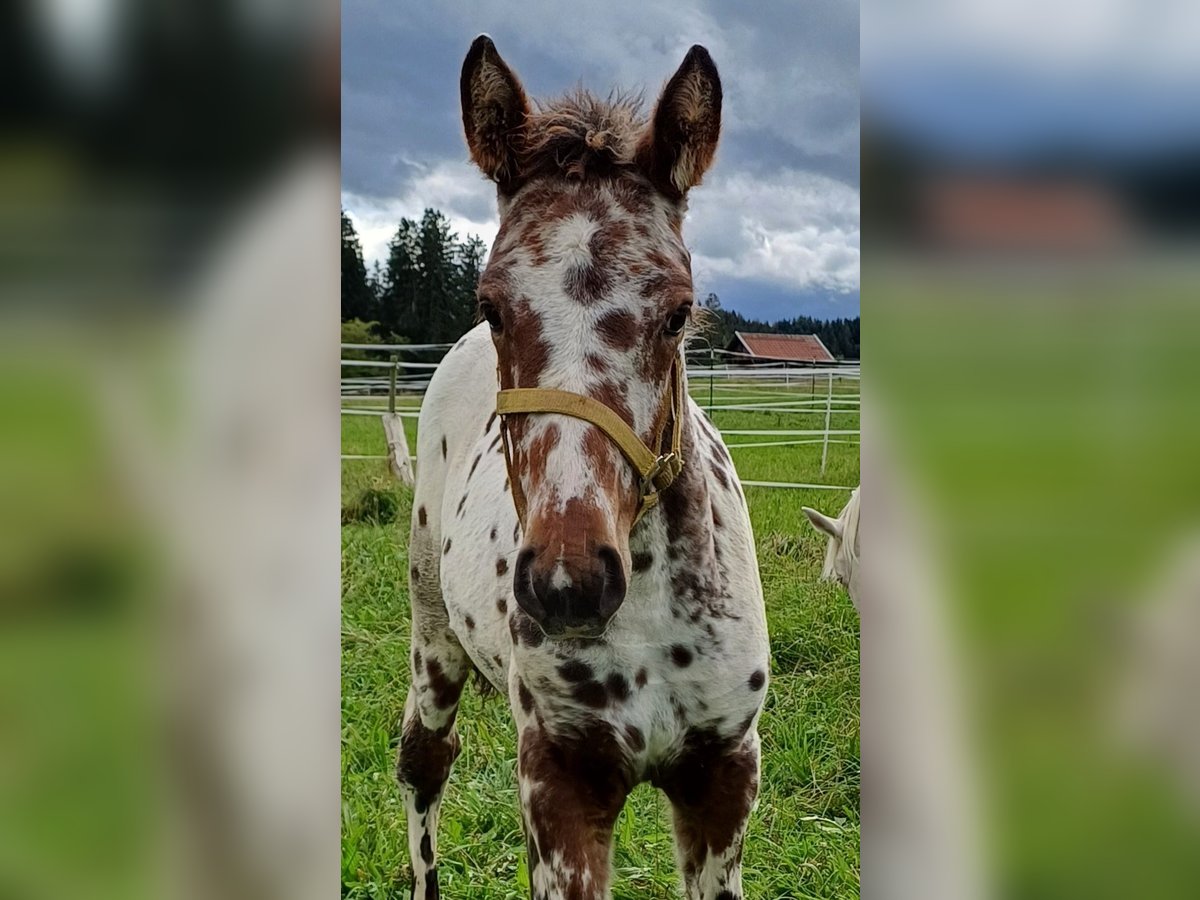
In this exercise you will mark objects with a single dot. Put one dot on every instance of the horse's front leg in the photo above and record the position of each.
(572, 790)
(429, 743)
(712, 788)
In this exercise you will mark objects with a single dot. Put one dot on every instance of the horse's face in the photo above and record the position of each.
(586, 295)
(588, 290)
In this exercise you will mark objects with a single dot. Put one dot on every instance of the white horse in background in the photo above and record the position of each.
(841, 555)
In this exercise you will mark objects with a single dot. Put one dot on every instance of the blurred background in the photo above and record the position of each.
(168, 452)
(1031, 210)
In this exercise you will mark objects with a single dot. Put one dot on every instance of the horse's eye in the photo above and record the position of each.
(488, 310)
(677, 320)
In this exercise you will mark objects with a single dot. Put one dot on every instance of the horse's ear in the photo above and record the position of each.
(822, 522)
(678, 145)
(494, 111)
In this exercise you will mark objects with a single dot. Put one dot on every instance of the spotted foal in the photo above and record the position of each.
(619, 610)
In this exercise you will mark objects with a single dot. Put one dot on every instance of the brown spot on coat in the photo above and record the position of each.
(446, 691)
(618, 686)
(757, 679)
(425, 759)
(525, 697)
(681, 656)
(426, 849)
(421, 518)
(618, 329)
(641, 561)
(524, 630)
(501, 566)
(591, 693)
(719, 472)
(575, 670)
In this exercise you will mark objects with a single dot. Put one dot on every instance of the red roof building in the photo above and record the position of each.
(805, 348)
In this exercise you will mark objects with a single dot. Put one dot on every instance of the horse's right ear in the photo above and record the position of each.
(494, 111)
(823, 523)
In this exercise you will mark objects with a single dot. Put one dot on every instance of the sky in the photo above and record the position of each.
(997, 80)
(774, 228)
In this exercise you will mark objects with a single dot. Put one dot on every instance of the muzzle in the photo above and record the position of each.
(656, 470)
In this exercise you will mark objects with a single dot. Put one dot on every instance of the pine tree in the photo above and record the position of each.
(469, 268)
(358, 300)
(435, 263)
(399, 307)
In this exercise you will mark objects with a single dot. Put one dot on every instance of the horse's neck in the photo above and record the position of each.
(686, 510)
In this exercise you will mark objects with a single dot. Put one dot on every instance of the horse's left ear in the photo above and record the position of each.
(678, 145)
(494, 111)
(822, 522)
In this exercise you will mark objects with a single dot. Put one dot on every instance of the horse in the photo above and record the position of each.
(579, 535)
(841, 553)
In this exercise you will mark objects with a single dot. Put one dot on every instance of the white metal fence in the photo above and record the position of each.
(719, 380)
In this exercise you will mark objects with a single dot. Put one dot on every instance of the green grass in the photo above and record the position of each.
(803, 838)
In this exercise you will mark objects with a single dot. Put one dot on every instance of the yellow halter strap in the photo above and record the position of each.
(656, 470)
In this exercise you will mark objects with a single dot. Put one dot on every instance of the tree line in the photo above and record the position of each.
(425, 293)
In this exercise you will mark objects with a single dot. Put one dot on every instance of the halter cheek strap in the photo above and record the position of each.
(656, 471)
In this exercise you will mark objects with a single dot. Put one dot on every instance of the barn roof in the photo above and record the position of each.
(791, 347)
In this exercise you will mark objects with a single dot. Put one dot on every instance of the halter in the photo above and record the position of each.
(656, 470)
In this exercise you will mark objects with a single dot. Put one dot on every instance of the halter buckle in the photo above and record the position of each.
(671, 463)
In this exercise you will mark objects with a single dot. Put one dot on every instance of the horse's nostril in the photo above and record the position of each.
(523, 588)
(569, 593)
(613, 592)
(524, 559)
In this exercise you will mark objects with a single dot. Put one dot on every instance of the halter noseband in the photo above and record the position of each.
(656, 470)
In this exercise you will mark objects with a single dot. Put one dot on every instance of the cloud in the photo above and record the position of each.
(795, 229)
(457, 189)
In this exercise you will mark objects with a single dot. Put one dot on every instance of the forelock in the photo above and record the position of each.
(580, 135)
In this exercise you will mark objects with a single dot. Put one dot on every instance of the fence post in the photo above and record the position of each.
(392, 386)
(828, 409)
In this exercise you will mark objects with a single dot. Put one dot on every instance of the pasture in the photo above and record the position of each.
(803, 840)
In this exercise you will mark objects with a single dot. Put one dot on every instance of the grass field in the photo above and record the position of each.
(803, 840)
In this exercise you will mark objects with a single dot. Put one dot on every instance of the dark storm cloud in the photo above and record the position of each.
(790, 73)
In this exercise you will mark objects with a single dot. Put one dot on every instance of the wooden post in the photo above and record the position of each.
(828, 410)
(393, 430)
(397, 444)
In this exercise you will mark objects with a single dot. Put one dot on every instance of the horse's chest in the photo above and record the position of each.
(654, 697)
